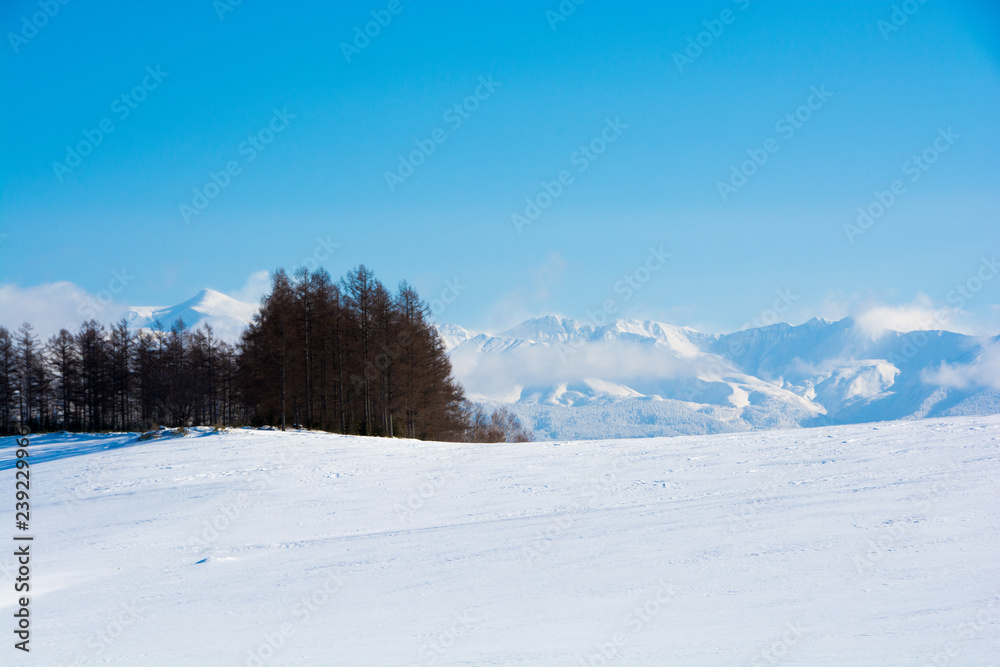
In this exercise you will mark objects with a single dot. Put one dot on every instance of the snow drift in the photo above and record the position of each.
(849, 545)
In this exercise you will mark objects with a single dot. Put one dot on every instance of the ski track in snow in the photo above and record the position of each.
(869, 544)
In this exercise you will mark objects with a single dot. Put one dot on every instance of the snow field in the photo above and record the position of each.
(855, 545)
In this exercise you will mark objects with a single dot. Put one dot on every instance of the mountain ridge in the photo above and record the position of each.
(567, 378)
(645, 378)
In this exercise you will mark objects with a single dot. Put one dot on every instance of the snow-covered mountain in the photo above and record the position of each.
(568, 379)
(631, 378)
(226, 315)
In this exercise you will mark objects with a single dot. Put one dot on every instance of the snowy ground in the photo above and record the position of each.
(874, 544)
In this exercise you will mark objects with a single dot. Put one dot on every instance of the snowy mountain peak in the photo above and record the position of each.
(227, 316)
(454, 335)
(213, 303)
(547, 328)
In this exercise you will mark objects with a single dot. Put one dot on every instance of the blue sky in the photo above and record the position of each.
(890, 86)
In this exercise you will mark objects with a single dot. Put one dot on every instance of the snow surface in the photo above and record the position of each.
(870, 544)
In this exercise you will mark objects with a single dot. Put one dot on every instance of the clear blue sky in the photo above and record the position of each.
(324, 173)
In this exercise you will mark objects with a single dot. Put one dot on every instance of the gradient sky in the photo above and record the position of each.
(323, 175)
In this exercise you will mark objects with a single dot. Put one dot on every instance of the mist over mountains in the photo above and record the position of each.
(630, 378)
(572, 380)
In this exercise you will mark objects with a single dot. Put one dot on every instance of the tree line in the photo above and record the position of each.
(343, 356)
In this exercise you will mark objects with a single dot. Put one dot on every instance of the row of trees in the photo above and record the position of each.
(347, 356)
(117, 379)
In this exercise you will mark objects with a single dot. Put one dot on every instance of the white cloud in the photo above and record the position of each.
(983, 372)
(640, 366)
(256, 286)
(53, 306)
(532, 297)
(835, 307)
(50, 307)
(920, 315)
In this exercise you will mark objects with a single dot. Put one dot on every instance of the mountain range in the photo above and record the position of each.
(571, 380)
(568, 379)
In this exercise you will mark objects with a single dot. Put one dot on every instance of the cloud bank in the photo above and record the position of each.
(53, 306)
(984, 371)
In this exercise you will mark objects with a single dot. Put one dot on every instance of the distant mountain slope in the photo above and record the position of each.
(227, 316)
(632, 378)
